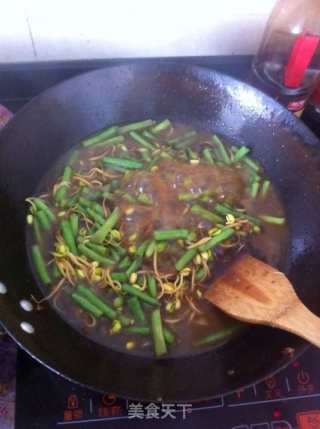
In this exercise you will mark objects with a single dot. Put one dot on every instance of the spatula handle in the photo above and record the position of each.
(299, 320)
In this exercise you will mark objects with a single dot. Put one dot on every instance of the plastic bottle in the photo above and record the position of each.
(287, 64)
(311, 114)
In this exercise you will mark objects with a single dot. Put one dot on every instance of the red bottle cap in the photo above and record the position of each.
(302, 52)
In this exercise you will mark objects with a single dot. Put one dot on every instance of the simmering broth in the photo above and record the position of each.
(136, 224)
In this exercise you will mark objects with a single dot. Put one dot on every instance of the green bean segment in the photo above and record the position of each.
(100, 137)
(63, 186)
(104, 230)
(171, 234)
(273, 219)
(97, 302)
(131, 290)
(123, 163)
(206, 214)
(217, 336)
(86, 305)
(136, 309)
(40, 265)
(141, 140)
(68, 236)
(162, 126)
(159, 342)
(94, 256)
(136, 126)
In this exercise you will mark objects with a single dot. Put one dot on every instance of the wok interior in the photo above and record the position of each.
(67, 113)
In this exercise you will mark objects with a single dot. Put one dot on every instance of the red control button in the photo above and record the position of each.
(109, 399)
(303, 377)
(271, 383)
(3, 411)
(309, 420)
(72, 402)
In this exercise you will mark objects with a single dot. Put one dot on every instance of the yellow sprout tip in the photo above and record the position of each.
(133, 278)
(133, 237)
(230, 219)
(130, 345)
(186, 271)
(129, 210)
(116, 327)
(198, 260)
(132, 249)
(116, 234)
(81, 274)
(205, 256)
(199, 293)
(194, 161)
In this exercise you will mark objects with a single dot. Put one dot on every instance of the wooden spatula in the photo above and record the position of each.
(255, 292)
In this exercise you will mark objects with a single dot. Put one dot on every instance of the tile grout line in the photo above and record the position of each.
(32, 39)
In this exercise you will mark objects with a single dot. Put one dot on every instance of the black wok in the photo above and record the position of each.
(58, 119)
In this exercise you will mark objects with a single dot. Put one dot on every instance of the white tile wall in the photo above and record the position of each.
(15, 42)
(68, 29)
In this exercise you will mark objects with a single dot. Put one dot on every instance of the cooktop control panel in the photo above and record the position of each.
(288, 400)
